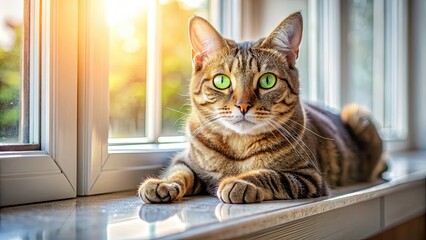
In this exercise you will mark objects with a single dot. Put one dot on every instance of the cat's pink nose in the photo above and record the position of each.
(244, 107)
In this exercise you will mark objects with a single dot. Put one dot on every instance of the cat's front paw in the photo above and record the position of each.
(159, 191)
(234, 190)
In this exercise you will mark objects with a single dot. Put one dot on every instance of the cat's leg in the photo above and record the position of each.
(262, 185)
(177, 181)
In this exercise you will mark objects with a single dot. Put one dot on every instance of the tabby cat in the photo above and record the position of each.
(251, 138)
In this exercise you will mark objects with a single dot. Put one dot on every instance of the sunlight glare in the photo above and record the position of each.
(126, 31)
(191, 4)
(122, 12)
(121, 17)
(186, 4)
(131, 45)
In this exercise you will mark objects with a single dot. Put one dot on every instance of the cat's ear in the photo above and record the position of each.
(287, 36)
(204, 39)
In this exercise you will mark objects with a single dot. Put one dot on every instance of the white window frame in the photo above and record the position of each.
(327, 82)
(108, 165)
(51, 173)
(102, 168)
(328, 53)
(325, 16)
(396, 70)
(106, 168)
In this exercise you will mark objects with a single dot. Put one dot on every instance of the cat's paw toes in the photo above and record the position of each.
(159, 191)
(233, 190)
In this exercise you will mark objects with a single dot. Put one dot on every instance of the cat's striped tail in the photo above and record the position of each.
(362, 126)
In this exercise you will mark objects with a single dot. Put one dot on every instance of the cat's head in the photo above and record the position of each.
(247, 87)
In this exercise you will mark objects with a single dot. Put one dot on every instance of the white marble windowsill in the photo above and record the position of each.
(349, 213)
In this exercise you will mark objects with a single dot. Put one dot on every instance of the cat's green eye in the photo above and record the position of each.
(221, 82)
(267, 81)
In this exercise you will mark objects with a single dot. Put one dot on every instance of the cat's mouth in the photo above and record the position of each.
(243, 121)
(243, 126)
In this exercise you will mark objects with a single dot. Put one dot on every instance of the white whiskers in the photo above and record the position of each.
(212, 122)
(282, 129)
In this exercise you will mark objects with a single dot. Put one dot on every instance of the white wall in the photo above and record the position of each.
(417, 73)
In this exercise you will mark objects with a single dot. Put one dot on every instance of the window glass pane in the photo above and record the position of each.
(360, 52)
(176, 60)
(11, 46)
(127, 21)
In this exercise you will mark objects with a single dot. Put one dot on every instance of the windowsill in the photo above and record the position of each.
(357, 211)
(147, 148)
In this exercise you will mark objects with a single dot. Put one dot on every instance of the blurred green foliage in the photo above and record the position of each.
(10, 84)
(127, 73)
(127, 78)
(176, 66)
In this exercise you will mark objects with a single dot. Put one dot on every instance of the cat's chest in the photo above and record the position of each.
(233, 156)
(242, 147)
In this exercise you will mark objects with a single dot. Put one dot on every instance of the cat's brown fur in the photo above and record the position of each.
(249, 144)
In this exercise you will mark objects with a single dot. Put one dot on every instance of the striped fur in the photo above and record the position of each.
(281, 148)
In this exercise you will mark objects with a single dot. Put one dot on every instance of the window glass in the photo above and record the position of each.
(128, 64)
(127, 20)
(11, 46)
(176, 61)
(360, 52)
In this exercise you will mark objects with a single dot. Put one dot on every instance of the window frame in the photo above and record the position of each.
(77, 53)
(328, 81)
(326, 71)
(52, 172)
(103, 165)
(28, 138)
(390, 42)
(103, 162)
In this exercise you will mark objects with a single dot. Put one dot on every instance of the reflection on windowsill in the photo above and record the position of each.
(149, 148)
(125, 216)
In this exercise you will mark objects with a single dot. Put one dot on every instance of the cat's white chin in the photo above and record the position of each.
(243, 127)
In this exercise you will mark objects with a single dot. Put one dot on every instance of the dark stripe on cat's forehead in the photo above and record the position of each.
(253, 62)
(243, 62)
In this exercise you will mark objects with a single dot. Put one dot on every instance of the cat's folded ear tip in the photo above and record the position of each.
(297, 15)
(191, 19)
(195, 18)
